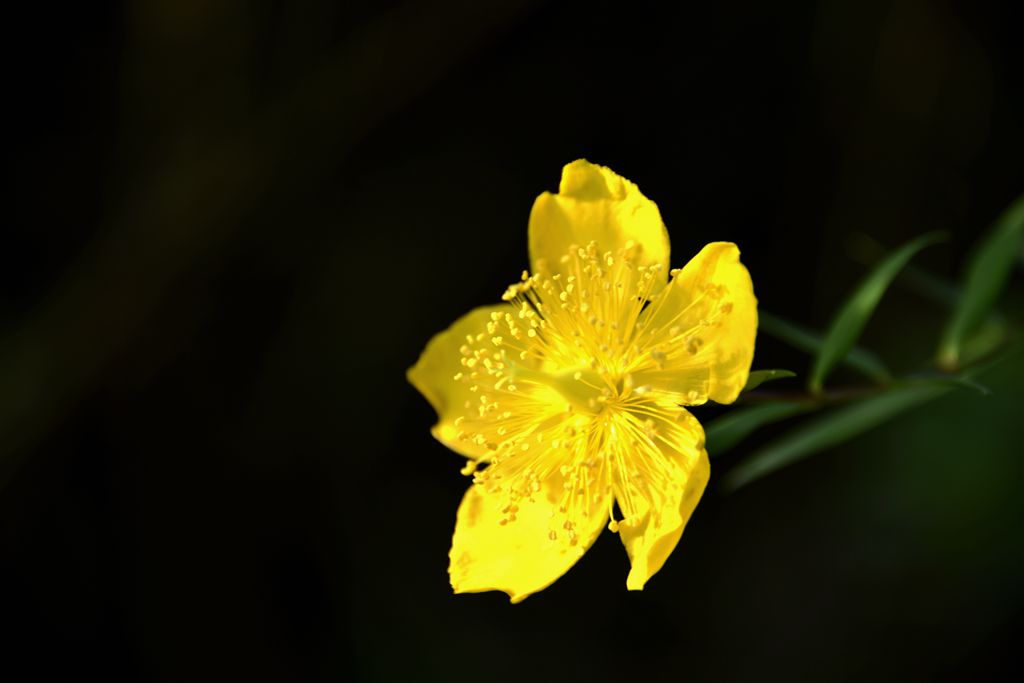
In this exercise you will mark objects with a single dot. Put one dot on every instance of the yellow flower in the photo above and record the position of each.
(567, 398)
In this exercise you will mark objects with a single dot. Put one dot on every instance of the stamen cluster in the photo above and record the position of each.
(559, 391)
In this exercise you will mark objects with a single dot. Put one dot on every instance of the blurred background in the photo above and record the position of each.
(232, 226)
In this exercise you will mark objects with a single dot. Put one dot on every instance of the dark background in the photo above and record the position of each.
(232, 226)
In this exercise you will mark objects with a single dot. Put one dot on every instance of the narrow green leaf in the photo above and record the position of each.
(854, 314)
(930, 286)
(831, 429)
(992, 334)
(799, 337)
(968, 383)
(724, 433)
(962, 381)
(759, 377)
(914, 278)
(986, 273)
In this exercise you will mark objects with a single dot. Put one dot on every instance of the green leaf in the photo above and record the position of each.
(914, 278)
(759, 377)
(992, 334)
(831, 429)
(986, 273)
(967, 383)
(805, 340)
(854, 314)
(962, 381)
(724, 433)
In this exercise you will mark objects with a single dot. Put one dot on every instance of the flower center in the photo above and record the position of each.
(554, 396)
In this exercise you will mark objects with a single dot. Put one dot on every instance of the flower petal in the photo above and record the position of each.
(434, 376)
(700, 331)
(595, 204)
(522, 556)
(657, 513)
